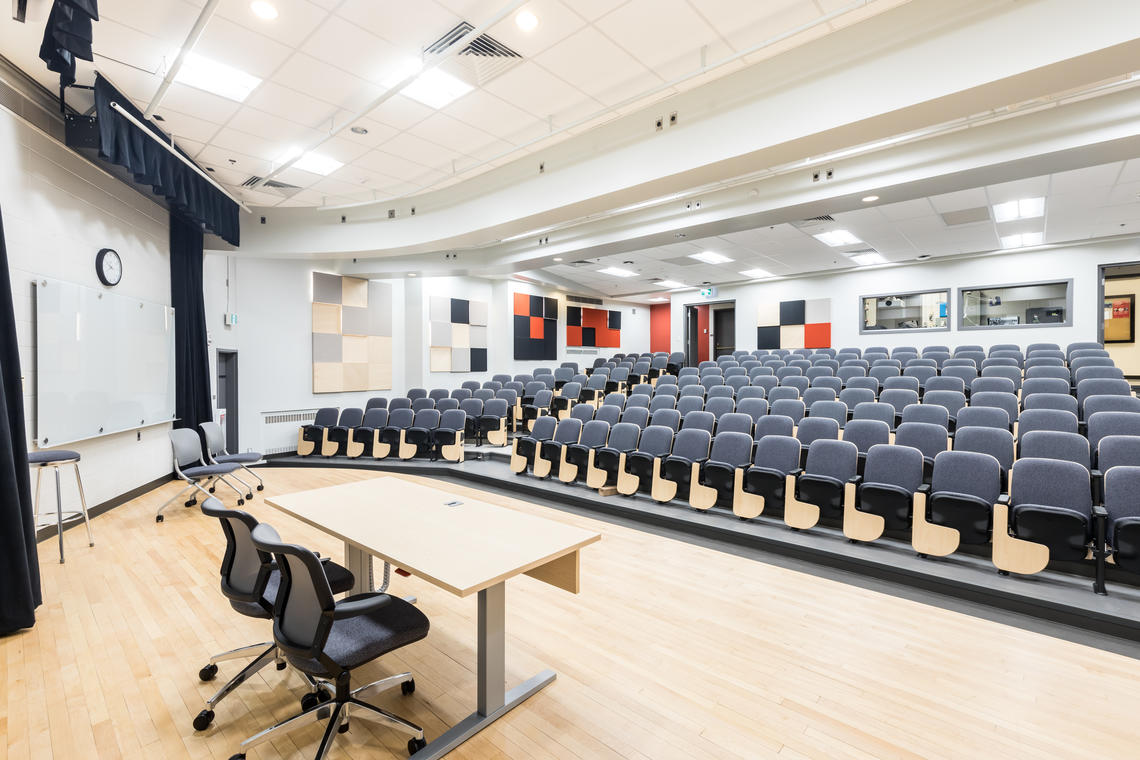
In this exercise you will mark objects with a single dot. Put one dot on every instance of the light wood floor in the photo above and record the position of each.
(670, 651)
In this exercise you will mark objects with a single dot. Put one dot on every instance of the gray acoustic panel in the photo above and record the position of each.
(440, 334)
(478, 334)
(460, 360)
(439, 309)
(326, 288)
(478, 314)
(380, 309)
(355, 320)
(327, 348)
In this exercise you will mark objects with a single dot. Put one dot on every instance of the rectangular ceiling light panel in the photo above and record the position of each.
(204, 74)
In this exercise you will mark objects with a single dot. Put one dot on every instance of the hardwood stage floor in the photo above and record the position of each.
(670, 651)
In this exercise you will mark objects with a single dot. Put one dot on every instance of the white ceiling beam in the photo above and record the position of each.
(428, 65)
(187, 46)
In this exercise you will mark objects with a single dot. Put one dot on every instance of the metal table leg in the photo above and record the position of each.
(493, 699)
(59, 513)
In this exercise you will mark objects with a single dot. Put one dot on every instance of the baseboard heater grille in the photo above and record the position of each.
(279, 429)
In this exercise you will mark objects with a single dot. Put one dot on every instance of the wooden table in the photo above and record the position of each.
(456, 543)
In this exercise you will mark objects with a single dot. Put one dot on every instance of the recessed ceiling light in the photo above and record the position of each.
(433, 88)
(311, 162)
(411, 274)
(836, 238)
(870, 198)
(1026, 208)
(617, 272)
(558, 258)
(670, 284)
(1022, 240)
(867, 259)
(200, 72)
(658, 299)
(526, 20)
(755, 274)
(358, 130)
(710, 257)
(263, 10)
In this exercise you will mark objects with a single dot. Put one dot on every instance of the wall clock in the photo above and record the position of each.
(109, 266)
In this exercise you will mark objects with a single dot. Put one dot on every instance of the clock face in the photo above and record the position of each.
(109, 267)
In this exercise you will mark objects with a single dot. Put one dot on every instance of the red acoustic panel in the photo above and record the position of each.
(536, 328)
(522, 304)
(595, 318)
(607, 338)
(659, 327)
(817, 335)
(573, 335)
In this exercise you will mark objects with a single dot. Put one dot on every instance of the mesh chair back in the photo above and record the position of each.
(655, 441)
(895, 466)
(245, 571)
(610, 414)
(833, 459)
(927, 438)
(984, 416)
(699, 421)
(734, 423)
(669, 418)
(816, 428)
(867, 433)
(302, 614)
(788, 407)
(987, 440)
(967, 472)
(187, 446)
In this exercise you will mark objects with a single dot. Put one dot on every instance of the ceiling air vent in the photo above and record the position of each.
(584, 299)
(283, 189)
(580, 263)
(812, 222)
(483, 59)
(966, 216)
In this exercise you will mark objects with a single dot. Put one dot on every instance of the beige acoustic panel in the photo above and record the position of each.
(328, 377)
(354, 349)
(477, 315)
(326, 318)
(460, 336)
(792, 336)
(439, 309)
(440, 360)
(379, 363)
(354, 291)
(768, 315)
(356, 376)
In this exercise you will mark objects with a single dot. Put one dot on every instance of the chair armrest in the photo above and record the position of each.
(856, 480)
(924, 489)
(1003, 499)
(361, 604)
(796, 472)
(1099, 512)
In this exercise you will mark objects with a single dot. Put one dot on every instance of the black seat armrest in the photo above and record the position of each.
(797, 472)
(924, 489)
(855, 480)
(679, 458)
(1099, 512)
(361, 604)
(1003, 499)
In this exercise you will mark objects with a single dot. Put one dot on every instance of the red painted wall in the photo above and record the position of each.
(659, 328)
(703, 333)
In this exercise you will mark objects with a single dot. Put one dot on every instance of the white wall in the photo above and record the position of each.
(59, 211)
(1078, 263)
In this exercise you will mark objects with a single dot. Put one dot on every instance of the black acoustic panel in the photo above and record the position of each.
(524, 346)
(550, 308)
(478, 360)
(767, 337)
(536, 306)
(460, 311)
(550, 340)
(589, 336)
(573, 316)
(615, 320)
(791, 312)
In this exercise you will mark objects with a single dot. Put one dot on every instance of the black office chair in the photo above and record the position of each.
(324, 638)
(250, 581)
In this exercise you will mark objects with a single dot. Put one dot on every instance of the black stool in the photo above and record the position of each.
(54, 458)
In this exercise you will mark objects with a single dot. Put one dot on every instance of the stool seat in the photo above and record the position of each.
(53, 456)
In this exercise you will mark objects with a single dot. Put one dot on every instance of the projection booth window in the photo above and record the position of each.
(1034, 304)
(926, 310)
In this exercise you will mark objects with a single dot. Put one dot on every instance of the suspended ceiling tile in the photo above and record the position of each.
(1130, 172)
(409, 26)
(958, 201)
(273, 128)
(296, 19)
(1125, 192)
(124, 43)
(419, 150)
(220, 158)
(592, 63)
(489, 113)
(556, 21)
(229, 138)
(234, 45)
(353, 49)
(1081, 180)
(592, 10)
(398, 167)
(290, 104)
(200, 103)
(324, 81)
(401, 112)
(537, 91)
(665, 35)
(377, 133)
(343, 149)
(456, 135)
(184, 127)
(170, 20)
(745, 23)
(1033, 187)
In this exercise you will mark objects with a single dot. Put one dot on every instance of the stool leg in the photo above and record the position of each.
(39, 478)
(59, 513)
(83, 504)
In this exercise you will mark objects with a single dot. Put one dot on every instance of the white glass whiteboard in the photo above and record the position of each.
(104, 363)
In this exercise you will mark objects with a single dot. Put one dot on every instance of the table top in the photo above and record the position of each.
(453, 541)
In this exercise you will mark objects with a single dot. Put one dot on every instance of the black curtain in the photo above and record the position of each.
(68, 36)
(186, 191)
(192, 362)
(19, 568)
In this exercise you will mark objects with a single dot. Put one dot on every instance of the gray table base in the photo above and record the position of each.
(493, 700)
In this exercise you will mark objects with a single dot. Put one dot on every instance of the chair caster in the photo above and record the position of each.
(203, 720)
(249, 496)
(190, 503)
(408, 687)
(343, 727)
(158, 518)
(414, 746)
(261, 488)
(207, 673)
(282, 665)
(241, 502)
(238, 756)
(314, 698)
(212, 489)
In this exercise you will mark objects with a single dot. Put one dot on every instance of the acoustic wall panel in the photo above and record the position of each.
(794, 324)
(535, 321)
(458, 335)
(599, 328)
(352, 334)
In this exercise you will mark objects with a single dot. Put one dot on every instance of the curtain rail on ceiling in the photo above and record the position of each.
(146, 130)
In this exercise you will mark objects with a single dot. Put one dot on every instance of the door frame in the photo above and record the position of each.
(691, 308)
(231, 404)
